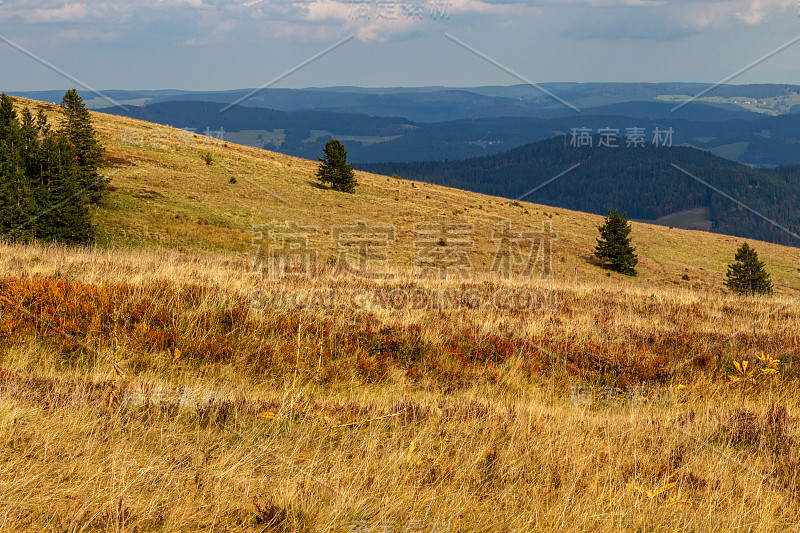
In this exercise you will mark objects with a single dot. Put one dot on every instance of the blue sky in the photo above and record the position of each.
(216, 44)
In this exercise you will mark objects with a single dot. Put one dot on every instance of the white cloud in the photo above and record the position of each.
(374, 20)
(754, 14)
(320, 10)
(642, 20)
(611, 3)
(88, 35)
(202, 22)
(216, 32)
(488, 8)
(751, 12)
(65, 13)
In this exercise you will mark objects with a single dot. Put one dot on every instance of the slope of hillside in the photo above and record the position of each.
(157, 383)
(646, 181)
(164, 194)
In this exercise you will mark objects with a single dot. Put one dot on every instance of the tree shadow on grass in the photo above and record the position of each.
(318, 185)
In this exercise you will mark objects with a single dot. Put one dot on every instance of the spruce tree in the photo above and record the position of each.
(30, 144)
(333, 168)
(41, 192)
(38, 164)
(614, 248)
(17, 204)
(78, 128)
(747, 275)
(67, 218)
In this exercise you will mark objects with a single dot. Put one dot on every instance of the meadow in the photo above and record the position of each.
(150, 391)
(160, 381)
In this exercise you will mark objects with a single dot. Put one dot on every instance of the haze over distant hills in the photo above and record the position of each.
(428, 104)
(736, 134)
(753, 124)
(443, 104)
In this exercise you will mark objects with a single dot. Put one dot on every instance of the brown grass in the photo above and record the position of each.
(165, 196)
(329, 420)
(142, 390)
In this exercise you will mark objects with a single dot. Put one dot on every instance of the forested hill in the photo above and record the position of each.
(640, 180)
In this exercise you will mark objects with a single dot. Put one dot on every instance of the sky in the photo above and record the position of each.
(220, 45)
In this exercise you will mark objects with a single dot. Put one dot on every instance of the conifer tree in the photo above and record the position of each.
(17, 204)
(38, 163)
(30, 143)
(41, 192)
(614, 248)
(747, 275)
(66, 218)
(78, 128)
(333, 168)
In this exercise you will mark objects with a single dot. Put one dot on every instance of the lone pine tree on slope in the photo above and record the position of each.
(333, 168)
(747, 275)
(614, 248)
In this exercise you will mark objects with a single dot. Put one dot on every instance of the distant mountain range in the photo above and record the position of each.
(646, 181)
(742, 136)
(753, 124)
(439, 104)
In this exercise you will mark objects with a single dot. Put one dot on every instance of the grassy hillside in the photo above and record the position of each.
(155, 383)
(164, 194)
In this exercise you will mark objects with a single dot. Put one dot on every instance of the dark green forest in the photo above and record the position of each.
(766, 140)
(48, 177)
(641, 181)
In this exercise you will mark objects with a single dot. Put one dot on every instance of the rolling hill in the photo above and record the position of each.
(648, 182)
(428, 104)
(157, 382)
(737, 135)
(164, 194)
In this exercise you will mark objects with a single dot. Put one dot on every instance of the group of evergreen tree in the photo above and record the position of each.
(48, 177)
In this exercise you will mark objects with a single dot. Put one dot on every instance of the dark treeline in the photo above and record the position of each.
(641, 181)
(765, 140)
(48, 177)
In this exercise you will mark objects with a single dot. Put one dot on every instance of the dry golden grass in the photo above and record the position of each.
(146, 392)
(304, 444)
(165, 196)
